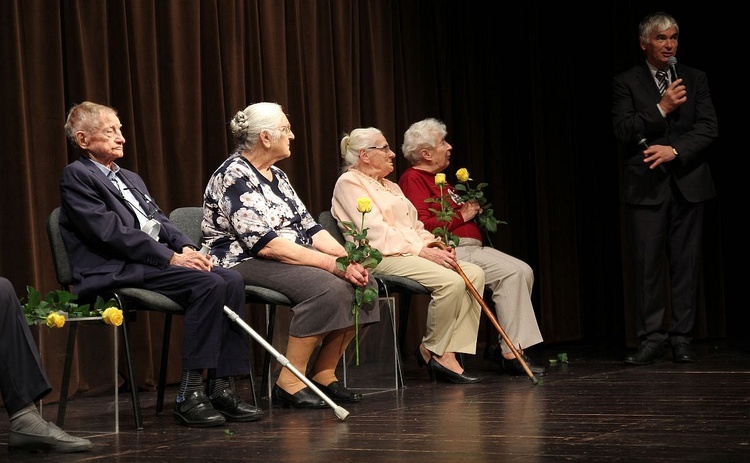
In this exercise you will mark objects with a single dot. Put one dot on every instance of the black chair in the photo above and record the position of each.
(387, 284)
(129, 300)
(189, 219)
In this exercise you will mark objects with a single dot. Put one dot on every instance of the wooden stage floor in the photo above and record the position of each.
(591, 409)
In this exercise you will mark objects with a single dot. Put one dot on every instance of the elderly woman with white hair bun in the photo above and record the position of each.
(255, 223)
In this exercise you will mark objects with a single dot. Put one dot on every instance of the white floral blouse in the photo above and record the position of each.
(243, 211)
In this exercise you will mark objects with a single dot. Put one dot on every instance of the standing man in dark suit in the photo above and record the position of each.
(117, 236)
(664, 131)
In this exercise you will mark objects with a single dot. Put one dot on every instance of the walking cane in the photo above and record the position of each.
(341, 413)
(490, 315)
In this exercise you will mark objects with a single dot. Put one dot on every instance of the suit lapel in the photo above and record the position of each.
(647, 80)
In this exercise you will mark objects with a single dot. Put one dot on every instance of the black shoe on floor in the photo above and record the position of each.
(233, 408)
(338, 392)
(440, 373)
(646, 355)
(514, 367)
(682, 353)
(304, 398)
(196, 411)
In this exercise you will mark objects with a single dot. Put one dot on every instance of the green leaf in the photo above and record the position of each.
(342, 263)
(370, 295)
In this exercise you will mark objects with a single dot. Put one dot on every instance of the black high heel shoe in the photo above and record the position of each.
(443, 374)
(422, 363)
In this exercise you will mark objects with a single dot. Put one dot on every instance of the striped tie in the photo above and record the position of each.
(661, 77)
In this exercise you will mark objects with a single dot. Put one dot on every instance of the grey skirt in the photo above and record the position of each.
(322, 302)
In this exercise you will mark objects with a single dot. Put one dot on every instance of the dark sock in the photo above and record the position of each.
(217, 385)
(192, 380)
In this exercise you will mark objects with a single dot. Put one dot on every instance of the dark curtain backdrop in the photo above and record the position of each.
(524, 89)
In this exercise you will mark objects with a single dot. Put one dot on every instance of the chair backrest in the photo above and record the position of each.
(328, 221)
(188, 219)
(60, 258)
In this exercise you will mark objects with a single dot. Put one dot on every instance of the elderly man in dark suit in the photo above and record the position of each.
(117, 236)
(664, 119)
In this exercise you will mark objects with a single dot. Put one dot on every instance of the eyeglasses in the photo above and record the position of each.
(286, 129)
(385, 148)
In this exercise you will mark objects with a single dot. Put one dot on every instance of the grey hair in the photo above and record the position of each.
(85, 117)
(422, 135)
(356, 140)
(656, 22)
(247, 124)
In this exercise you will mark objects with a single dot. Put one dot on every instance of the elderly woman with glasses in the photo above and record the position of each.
(255, 223)
(393, 228)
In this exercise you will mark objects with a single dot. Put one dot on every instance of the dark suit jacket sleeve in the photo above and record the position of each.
(104, 223)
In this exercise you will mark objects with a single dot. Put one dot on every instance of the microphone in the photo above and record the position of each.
(643, 144)
(672, 61)
(641, 141)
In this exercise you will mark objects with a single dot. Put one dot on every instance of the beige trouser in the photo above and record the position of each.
(511, 281)
(453, 313)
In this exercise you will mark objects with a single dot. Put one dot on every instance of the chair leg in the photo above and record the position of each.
(252, 380)
(270, 324)
(403, 318)
(164, 359)
(131, 374)
(69, 352)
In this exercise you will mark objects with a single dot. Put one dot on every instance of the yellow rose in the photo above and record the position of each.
(462, 175)
(364, 205)
(440, 179)
(55, 320)
(112, 316)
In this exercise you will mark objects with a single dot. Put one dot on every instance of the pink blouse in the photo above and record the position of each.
(393, 227)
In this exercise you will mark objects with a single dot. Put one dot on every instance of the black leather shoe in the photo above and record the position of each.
(233, 408)
(338, 392)
(54, 440)
(682, 353)
(196, 411)
(443, 374)
(304, 398)
(646, 355)
(514, 367)
(495, 353)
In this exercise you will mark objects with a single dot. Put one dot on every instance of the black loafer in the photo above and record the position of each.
(233, 408)
(338, 392)
(54, 440)
(196, 411)
(514, 367)
(441, 373)
(682, 353)
(304, 398)
(646, 355)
